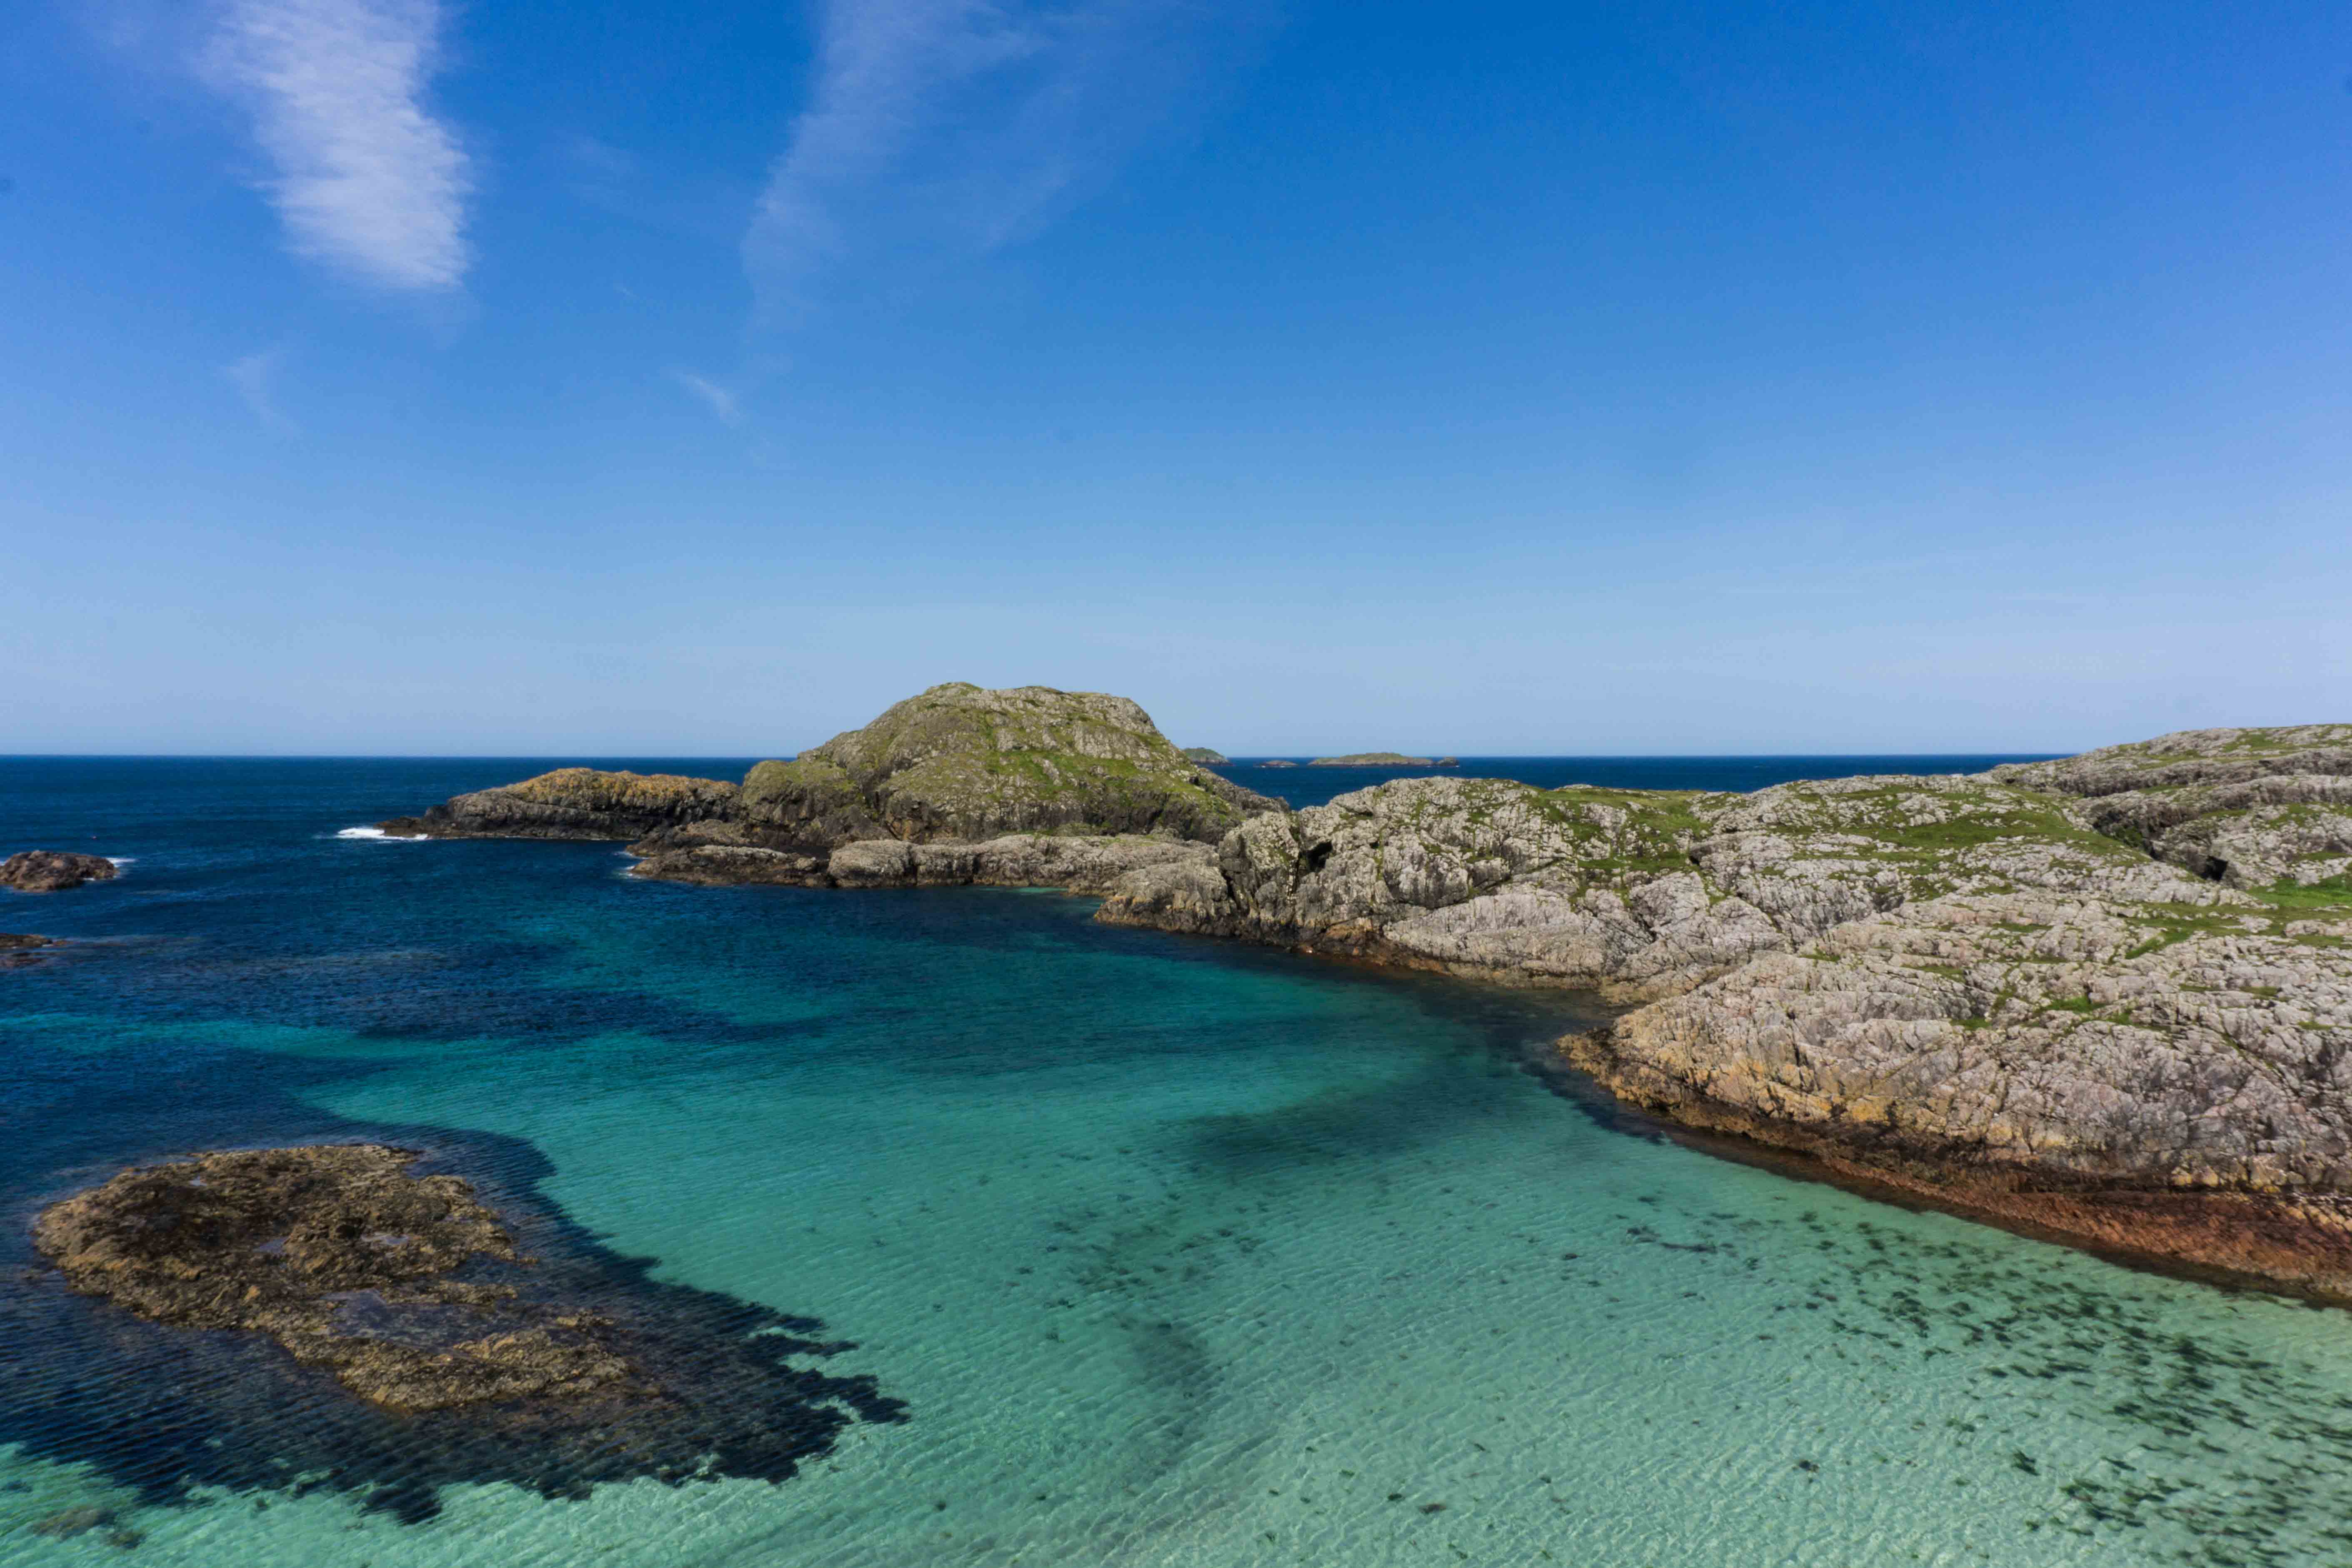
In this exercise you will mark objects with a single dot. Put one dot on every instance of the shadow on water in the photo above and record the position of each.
(163, 1411)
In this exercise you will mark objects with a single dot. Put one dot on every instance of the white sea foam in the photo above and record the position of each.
(380, 833)
(119, 861)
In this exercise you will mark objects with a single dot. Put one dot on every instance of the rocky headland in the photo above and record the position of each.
(54, 870)
(2108, 998)
(1207, 756)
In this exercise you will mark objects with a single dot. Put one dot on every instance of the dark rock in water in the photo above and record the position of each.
(572, 802)
(341, 1256)
(1446, 763)
(17, 942)
(53, 871)
(68, 1522)
(387, 1332)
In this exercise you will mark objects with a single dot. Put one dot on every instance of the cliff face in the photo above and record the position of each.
(2040, 994)
(983, 771)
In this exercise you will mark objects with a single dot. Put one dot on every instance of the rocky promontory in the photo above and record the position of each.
(1025, 786)
(2109, 998)
(1208, 756)
(54, 870)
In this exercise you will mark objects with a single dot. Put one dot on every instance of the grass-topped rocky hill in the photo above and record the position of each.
(958, 783)
(2110, 996)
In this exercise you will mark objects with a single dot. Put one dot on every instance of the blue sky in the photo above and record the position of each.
(393, 376)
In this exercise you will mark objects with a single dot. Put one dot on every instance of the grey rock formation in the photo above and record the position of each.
(1075, 863)
(53, 870)
(2255, 808)
(1968, 988)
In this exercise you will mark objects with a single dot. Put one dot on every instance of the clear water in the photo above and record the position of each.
(1179, 1253)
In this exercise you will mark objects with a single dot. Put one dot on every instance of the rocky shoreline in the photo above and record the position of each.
(2108, 996)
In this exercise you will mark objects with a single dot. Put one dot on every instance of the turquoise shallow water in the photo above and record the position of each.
(1178, 1253)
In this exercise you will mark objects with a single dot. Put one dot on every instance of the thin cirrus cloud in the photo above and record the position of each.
(965, 125)
(255, 377)
(713, 396)
(367, 181)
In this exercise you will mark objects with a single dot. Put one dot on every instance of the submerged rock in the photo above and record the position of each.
(52, 870)
(387, 1332)
(341, 1256)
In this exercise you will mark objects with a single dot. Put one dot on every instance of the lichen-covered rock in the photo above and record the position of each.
(1960, 985)
(53, 870)
(1075, 864)
(2254, 808)
(573, 803)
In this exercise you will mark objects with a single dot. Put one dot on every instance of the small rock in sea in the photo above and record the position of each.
(53, 871)
(1432, 1508)
(125, 1539)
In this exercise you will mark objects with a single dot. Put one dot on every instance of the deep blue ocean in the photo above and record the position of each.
(1171, 1252)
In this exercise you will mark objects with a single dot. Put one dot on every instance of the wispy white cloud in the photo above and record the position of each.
(715, 397)
(367, 180)
(255, 377)
(971, 123)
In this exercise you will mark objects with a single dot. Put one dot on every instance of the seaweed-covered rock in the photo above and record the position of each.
(54, 870)
(361, 1317)
(340, 1256)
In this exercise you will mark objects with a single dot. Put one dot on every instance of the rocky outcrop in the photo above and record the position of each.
(1967, 987)
(573, 803)
(340, 1256)
(956, 769)
(1374, 760)
(2254, 808)
(53, 871)
(1277, 762)
(22, 941)
(1208, 756)
(1075, 864)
